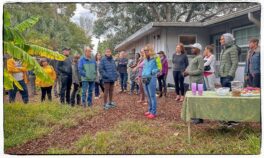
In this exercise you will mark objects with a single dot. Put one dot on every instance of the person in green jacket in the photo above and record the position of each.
(228, 59)
(228, 65)
(195, 72)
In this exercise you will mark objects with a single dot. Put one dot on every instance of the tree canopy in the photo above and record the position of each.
(117, 21)
(54, 29)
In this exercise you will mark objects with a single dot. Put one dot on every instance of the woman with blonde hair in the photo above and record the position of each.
(152, 66)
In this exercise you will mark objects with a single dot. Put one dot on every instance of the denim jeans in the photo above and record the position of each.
(133, 85)
(24, 92)
(150, 91)
(96, 87)
(123, 81)
(254, 81)
(87, 86)
(66, 82)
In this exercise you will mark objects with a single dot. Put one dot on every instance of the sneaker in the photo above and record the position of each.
(197, 121)
(157, 95)
(96, 97)
(151, 116)
(107, 106)
(146, 113)
(112, 104)
(120, 91)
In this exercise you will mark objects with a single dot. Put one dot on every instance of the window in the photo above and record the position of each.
(242, 36)
(215, 39)
(187, 40)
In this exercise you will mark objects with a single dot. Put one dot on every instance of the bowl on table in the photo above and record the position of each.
(223, 91)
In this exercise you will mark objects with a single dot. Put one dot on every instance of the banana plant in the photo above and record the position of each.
(16, 46)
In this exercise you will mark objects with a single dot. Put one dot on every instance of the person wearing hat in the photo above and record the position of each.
(196, 70)
(65, 70)
(45, 87)
(162, 75)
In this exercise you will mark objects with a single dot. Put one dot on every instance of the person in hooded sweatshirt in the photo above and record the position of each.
(88, 70)
(228, 64)
(228, 59)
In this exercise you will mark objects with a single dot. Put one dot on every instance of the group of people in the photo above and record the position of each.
(88, 74)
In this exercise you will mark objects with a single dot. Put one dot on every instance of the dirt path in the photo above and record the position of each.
(127, 108)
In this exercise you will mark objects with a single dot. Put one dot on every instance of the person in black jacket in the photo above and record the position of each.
(65, 71)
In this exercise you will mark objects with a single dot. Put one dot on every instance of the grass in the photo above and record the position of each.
(26, 122)
(139, 137)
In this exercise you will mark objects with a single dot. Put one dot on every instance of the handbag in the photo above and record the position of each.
(146, 80)
(207, 68)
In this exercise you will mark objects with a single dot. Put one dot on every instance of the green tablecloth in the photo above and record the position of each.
(225, 108)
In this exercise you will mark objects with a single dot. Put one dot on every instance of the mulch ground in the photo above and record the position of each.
(127, 108)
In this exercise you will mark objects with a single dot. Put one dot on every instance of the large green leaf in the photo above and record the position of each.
(7, 19)
(9, 81)
(11, 34)
(30, 62)
(43, 52)
(28, 23)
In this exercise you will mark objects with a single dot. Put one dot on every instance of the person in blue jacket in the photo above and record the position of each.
(108, 71)
(87, 69)
(152, 66)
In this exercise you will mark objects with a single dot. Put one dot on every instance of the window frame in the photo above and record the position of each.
(188, 46)
(245, 45)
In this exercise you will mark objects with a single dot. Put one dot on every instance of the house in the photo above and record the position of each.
(243, 24)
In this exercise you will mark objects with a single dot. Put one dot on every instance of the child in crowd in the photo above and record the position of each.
(133, 75)
(76, 80)
(46, 87)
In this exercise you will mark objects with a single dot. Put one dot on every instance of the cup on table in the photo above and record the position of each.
(194, 88)
(200, 89)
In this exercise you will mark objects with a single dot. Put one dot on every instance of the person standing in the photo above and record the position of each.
(228, 64)
(32, 81)
(228, 59)
(252, 69)
(139, 68)
(46, 88)
(209, 68)
(152, 66)
(98, 81)
(109, 75)
(134, 74)
(18, 71)
(65, 71)
(196, 70)
(180, 63)
(163, 74)
(87, 68)
(76, 80)
(122, 69)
